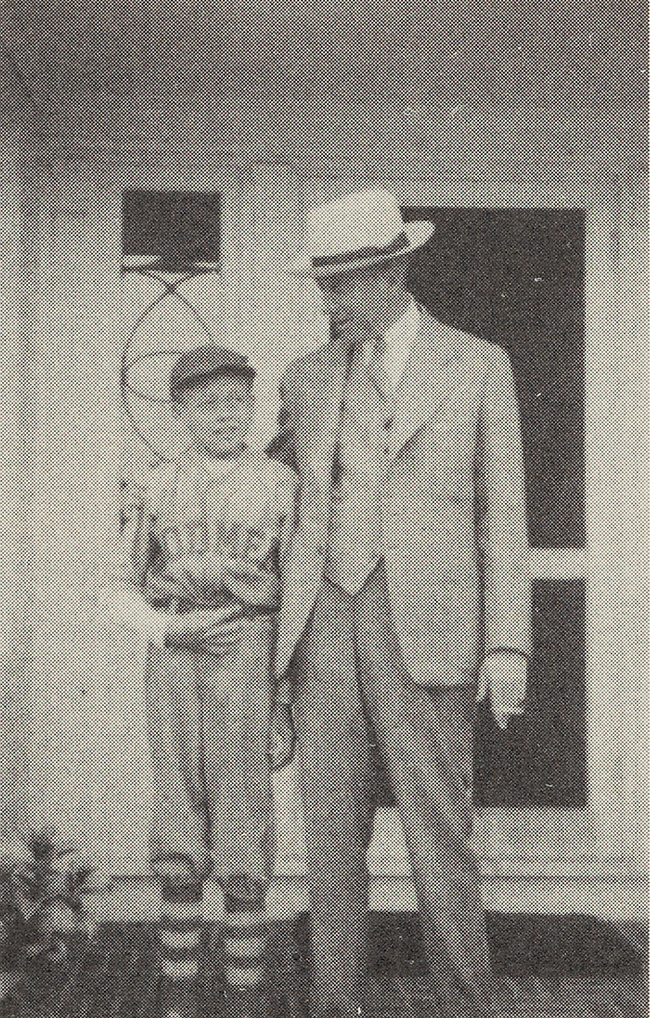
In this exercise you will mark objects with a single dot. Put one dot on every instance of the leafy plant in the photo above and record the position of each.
(42, 884)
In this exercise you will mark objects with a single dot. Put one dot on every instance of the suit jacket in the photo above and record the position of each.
(452, 508)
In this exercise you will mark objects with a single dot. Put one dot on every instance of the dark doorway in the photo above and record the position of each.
(541, 759)
(516, 277)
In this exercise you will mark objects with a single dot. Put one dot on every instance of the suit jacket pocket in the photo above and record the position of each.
(435, 538)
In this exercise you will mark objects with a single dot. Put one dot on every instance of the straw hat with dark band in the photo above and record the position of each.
(357, 230)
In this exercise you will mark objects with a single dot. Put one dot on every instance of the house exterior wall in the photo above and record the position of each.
(83, 764)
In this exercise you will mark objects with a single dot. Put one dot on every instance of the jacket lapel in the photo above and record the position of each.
(317, 438)
(423, 390)
(425, 384)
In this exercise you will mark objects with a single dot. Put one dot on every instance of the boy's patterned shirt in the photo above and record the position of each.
(201, 533)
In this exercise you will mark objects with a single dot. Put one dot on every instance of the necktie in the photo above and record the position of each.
(377, 367)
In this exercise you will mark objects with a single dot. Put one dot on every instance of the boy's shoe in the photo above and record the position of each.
(176, 870)
(289, 1005)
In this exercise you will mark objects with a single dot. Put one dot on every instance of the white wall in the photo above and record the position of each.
(87, 756)
(13, 734)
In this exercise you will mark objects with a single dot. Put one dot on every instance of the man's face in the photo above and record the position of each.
(355, 300)
(218, 414)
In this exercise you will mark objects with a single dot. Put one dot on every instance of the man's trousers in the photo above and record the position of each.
(208, 718)
(352, 690)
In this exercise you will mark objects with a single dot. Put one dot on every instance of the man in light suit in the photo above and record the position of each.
(406, 594)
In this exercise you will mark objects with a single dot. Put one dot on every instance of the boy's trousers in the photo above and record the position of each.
(353, 690)
(208, 717)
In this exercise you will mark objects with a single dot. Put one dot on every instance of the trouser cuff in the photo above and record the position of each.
(243, 894)
(188, 893)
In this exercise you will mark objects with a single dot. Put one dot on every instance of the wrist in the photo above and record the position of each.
(160, 628)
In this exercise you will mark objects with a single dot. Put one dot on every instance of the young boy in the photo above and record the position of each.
(205, 538)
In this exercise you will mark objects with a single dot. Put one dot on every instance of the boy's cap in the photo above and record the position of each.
(197, 366)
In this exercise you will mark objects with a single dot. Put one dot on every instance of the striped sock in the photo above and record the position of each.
(180, 945)
(245, 953)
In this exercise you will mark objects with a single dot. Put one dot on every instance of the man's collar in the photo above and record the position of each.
(405, 328)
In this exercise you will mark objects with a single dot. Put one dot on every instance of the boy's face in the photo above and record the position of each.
(218, 413)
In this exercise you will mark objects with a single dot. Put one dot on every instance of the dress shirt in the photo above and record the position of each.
(399, 339)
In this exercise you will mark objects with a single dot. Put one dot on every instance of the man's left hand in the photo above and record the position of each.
(503, 677)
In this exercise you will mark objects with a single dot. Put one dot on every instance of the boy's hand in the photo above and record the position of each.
(249, 583)
(190, 627)
(282, 742)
